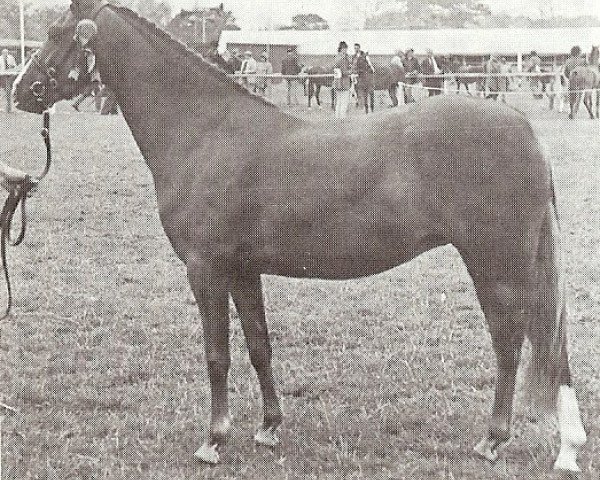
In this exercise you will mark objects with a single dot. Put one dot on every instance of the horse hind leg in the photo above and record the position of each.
(248, 298)
(587, 101)
(553, 363)
(522, 294)
(507, 328)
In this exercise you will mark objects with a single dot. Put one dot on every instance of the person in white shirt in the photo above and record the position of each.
(248, 69)
(7, 62)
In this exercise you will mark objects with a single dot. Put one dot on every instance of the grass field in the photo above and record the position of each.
(388, 377)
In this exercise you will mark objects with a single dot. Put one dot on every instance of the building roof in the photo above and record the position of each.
(444, 41)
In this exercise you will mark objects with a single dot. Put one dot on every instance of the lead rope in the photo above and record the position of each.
(18, 191)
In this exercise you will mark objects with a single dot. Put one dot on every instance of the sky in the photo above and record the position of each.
(254, 14)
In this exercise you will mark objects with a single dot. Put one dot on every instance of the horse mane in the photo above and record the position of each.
(189, 54)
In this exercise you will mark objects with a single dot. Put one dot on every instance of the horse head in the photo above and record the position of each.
(65, 63)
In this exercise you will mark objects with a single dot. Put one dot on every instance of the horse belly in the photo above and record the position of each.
(354, 244)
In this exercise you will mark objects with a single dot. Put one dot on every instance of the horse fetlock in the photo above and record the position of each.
(267, 436)
(208, 453)
(490, 448)
(219, 430)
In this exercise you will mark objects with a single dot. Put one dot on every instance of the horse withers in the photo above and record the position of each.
(246, 190)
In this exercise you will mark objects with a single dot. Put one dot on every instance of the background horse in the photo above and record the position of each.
(479, 81)
(245, 190)
(312, 86)
(583, 81)
(386, 78)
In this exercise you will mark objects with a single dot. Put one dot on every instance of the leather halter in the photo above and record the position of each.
(39, 89)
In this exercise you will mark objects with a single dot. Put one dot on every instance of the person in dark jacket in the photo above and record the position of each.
(412, 69)
(430, 67)
(365, 72)
(291, 66)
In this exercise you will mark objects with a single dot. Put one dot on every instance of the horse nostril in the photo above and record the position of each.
(53, 83)
(38, 89)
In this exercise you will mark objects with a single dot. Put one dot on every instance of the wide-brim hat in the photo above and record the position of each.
(248, 52)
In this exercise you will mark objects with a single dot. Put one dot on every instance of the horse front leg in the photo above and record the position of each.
(248, 298)
(211, 296)
(588, 102)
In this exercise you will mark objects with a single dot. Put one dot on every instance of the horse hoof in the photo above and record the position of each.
(267, 437)
(490, 449)
(208, 454)
(567, 463)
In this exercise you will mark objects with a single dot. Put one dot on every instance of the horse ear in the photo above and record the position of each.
(85, 31)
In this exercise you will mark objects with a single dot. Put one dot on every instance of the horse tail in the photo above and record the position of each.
(547, 329)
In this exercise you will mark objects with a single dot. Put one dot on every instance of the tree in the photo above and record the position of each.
(156, 11)
(307, 21)
(195, 27)
(427, 14)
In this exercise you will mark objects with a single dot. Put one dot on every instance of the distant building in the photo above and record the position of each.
(319, 47)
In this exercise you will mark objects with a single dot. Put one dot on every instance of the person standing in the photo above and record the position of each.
(7, 62)
(248, 70)
(430, 67)
(493, 82)
(291, 66)
(397, 74)
(535, 66)
(412, 69)
(263, 67)
(365, 72)
(341, 80)
(575, 60)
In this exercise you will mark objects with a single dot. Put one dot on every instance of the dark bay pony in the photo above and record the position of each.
(583, 82)
(470, 79)
(313, 85)
(244, 189)
(386, 79)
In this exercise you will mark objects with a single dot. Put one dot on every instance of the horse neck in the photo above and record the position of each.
(171, 100)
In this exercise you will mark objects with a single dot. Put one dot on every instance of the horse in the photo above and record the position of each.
(467, 80)
(385, 78)
(245, 189)
(313, 85)
(583, 80)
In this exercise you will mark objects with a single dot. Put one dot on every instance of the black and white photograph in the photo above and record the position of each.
(319, 240)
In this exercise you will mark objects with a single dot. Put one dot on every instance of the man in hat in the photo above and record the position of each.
(7, 62)
(263, 67)
(248, 70)
(291, 66)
